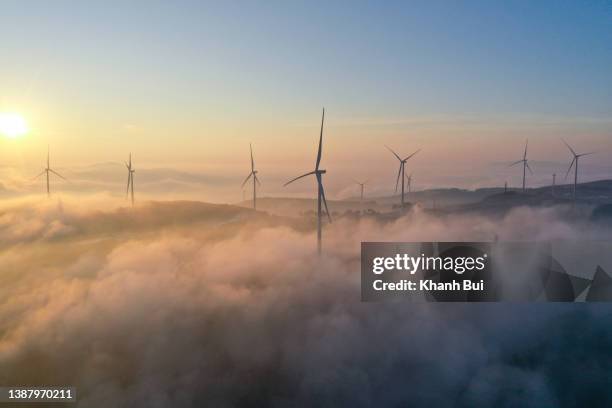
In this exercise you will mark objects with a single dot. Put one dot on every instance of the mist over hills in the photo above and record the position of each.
(50, 220)
(187, 304)
(452, 200)
(212, 183)
(110, 177)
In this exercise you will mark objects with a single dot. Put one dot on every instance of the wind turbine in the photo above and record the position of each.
(48, 170)
(525, 164)
(361, 185)
(318, 173)
(552, 188)
(401, 171)
(130, 182)
(409, 179)
(574, 163)
(253, 174)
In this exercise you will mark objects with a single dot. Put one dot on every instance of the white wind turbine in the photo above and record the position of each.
(361, 187)
(130, 181)
(318, 173)
(48, 170)
(401, 172)
(574, 164)
(409, 180)
(253, 174)
(525, 164)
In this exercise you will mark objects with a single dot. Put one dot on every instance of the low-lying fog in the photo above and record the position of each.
(186, 304)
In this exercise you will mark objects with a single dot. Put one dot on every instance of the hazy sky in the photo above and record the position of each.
(194, 82)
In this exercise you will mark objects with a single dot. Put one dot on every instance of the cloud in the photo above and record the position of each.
(213, 305)
(111, 178)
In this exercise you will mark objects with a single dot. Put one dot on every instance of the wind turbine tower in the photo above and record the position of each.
(253, 174)
(525, 164)
(48, 170)
(130, 182)
(401, 172)
(318, 173)
(574, 163)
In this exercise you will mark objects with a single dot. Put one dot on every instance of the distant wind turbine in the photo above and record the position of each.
(48, 170)
(253, 174)
(401, 172)
(574, 163)
(525, 164)
(361, 185)
(409, 180)
(321, 193)
(130, 181)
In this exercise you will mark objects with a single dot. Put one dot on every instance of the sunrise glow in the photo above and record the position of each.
(12, 125)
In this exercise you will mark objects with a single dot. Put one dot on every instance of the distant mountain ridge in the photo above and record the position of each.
(491, 199)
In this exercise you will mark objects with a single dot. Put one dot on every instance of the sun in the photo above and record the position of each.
(12, 125)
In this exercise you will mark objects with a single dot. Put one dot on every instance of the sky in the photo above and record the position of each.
(189, 84)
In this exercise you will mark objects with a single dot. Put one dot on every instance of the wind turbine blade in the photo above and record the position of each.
(525, 154)
(58, 175)
(247, 179)
(297, 178)
(41, 173)
(412, 155)
(127, 189)
(527, 165)
(515, 163)
(320, 142)
(586, 154)
(399, 174)
(324, 200)
(252, 161)
(570, 167)
(257, 180)
(569, 147)
(395, 154)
